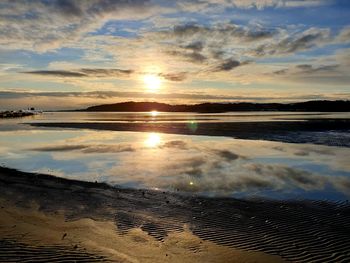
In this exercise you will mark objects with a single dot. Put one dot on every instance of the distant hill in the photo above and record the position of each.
(319, 105)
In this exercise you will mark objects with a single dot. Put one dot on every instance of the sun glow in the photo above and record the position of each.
(152, 82)
(153, 140)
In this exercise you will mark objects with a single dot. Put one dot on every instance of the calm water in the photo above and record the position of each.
(213, 166)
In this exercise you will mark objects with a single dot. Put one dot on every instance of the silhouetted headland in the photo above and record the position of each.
(308, 106)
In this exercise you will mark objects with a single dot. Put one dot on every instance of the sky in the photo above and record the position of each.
(67, 54)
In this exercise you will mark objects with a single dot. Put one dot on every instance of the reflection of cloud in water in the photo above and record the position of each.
(227, 155)
(195, 164)
(98, 148)
(175, 144)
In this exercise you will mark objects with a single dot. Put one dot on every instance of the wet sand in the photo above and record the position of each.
(317, 131)
(45, 217)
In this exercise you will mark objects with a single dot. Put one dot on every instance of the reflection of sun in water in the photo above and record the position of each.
(154, 113)
(153, 140)
(152, 82)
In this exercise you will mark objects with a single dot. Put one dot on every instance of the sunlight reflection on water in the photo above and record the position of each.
(153, 140)
(213, 166)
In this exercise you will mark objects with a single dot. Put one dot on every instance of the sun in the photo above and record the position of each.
(152, 82)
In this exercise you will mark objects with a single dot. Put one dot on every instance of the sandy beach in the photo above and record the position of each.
(192, 131)
(45, 217)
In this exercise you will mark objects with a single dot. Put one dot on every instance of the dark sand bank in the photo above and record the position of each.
(44, 216)
(333, 132)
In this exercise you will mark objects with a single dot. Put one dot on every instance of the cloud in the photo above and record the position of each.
(103, 73)
(67, 7)
(181, 76)
(96, 148)
(248, 177)
(76, 100)
(342, 183)
(305, 40)
(177, 144)
(227, 155)
(47, 25)
(289, 176)
(221, 169)
(99, 72)
(195, 46)
(59, 148)
(56, 73)
(307, 69)
(193, 162)
(194, 57)
(109, 148)
(334, 72)
(225, 30)
(84, 72)
(209, 46)
(228, 65)
(196, 5)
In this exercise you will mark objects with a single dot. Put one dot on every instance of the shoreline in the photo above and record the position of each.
(166, 227)
(15, 114)
(282, 131)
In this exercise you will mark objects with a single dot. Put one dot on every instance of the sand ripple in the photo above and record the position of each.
(295, 230)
